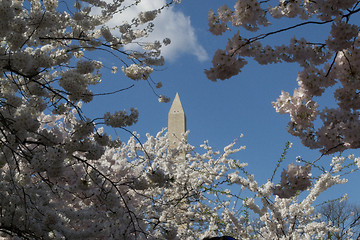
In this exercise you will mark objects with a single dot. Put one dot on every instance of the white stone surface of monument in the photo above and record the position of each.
(176, 122)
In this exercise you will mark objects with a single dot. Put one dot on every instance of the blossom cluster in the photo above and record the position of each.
(331, 62)
(293, 179)
(137, 72)
(121, 118)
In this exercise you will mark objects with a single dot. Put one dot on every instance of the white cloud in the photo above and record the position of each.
(169, 24)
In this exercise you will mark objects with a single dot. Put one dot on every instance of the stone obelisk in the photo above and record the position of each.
(176, 122)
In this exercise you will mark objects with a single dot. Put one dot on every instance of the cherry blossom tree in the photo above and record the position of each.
(324, 63)
(281, 211)
(56, 165)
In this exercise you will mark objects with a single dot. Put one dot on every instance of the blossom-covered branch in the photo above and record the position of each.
(332, 62)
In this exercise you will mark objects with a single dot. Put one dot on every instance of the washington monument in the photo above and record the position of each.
(176, 122)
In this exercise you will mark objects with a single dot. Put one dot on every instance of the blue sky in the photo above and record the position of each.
(216, 111)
